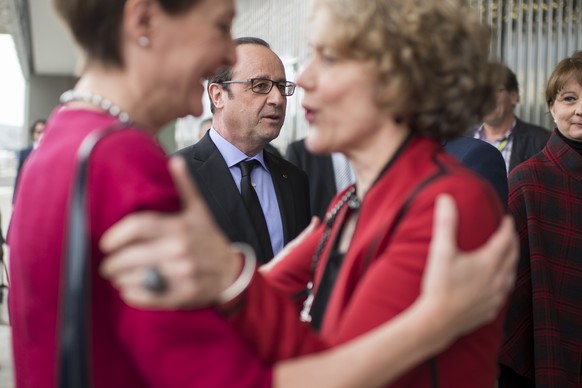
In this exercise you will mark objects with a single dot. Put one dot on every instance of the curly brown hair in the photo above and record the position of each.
(430, 58)
(96, 25)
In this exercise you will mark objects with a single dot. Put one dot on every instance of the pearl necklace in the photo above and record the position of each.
(98, 101)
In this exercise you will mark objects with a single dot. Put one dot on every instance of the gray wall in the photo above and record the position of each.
(42, 95)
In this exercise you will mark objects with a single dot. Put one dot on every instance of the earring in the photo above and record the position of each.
(143, 41)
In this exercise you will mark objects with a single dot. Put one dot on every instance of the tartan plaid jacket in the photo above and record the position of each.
(543, 329)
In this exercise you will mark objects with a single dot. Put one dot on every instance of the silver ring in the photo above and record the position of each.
(154, 281)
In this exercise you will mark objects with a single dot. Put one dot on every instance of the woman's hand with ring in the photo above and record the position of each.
(190, 253)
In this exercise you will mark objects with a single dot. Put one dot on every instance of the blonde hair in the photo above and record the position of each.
(430, 58)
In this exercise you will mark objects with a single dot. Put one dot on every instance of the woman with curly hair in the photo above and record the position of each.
(387, 82)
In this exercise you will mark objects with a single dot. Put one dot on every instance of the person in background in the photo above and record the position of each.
(248, 102)
(543, 331)
(515, 139)
(35, 131)
(386, 83)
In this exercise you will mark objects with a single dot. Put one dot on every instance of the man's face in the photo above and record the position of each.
(252, 118)
(37, 132)
(506, 102)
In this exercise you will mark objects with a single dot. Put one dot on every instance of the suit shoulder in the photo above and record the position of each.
(485, 149)
(297, 144)
(466, 141)
(532, 129)
(283, 164)
(201, 150)
(186, 151)
(296, 148)
(463, 146)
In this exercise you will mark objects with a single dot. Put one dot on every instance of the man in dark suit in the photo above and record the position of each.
(515, 139)
(35, 131)
(482, 158)
(255, 196)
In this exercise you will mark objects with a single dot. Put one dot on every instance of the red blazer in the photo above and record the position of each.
(382, 271)
(131, 348)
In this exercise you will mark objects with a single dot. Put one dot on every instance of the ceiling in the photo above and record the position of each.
(43, 44)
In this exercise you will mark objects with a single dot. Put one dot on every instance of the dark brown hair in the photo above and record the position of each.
(225, 73)
(32, 128)
(96, 25)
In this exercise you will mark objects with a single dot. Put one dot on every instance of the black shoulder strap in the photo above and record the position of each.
(399, 216)
(3, 269)
(401, 213)
(74, 333)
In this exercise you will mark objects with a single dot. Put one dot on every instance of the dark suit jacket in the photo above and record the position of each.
(272, 149)
(208, 168)
(482, 158)
(319, 169)
(528, 140)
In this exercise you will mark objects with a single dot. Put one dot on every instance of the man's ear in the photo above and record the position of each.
(217, 94)
(514, 97)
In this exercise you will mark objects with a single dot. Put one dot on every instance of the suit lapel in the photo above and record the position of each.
(284, 192)
(518, 145)
(222, 195)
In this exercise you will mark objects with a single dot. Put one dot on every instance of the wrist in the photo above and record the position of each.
(439, 328)
(245, 268)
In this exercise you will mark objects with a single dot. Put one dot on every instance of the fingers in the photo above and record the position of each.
(444, 232)
(306, 232)
(315, 222)
(132, 228)
(189, 195)
(145, 254)
(445, 224)
(181, 277)
(193, 204)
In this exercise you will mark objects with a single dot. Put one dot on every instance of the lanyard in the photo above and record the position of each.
(501, 146)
